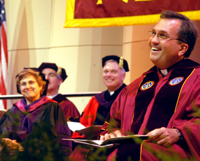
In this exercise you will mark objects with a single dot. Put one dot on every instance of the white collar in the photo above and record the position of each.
(164, 72)
(53, 96)
(112, 92)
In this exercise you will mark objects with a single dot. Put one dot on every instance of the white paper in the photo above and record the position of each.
(74, 126)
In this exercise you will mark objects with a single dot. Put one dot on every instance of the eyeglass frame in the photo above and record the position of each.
(30, 83)
(162, 39)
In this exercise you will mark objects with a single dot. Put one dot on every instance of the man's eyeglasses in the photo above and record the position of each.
(162, 36)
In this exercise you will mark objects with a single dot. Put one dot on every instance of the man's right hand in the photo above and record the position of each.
(115, 134)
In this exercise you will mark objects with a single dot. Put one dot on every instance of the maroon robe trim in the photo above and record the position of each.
(182, 88)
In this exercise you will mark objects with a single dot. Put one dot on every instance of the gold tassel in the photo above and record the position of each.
(121, 63)
(99, 2)
(126, 1)
(59, 71)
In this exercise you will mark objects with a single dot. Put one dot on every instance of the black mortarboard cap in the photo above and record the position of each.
(120, 61)
(59, 70)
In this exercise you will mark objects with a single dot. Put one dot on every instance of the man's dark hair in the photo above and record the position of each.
(188, 31)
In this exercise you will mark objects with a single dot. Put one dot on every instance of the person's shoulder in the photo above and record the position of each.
(134, 84)
(93, 101)
(93, 98)
(100, 94)
(68, 102)
(98, 97)
(188, 64)
(138, 80)
(53, 104)
(13, 108)
(59, 98)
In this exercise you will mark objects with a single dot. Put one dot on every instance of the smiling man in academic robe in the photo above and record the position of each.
(161, 102)
(98, 108)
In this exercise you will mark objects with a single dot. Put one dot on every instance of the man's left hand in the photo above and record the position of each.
(164, 136)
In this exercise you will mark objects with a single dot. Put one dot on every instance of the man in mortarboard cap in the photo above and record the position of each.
(96, 111)
(98, 108)
(56, 75)
(114, 72)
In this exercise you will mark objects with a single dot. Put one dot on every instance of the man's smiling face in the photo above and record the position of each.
(113, 77)
(164, 53)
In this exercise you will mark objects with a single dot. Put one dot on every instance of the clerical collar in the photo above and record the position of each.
(51, 97)
(116, 91)
(164, 72)
(111, 93)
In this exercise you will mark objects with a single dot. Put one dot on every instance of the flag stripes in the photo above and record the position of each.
(3, 56)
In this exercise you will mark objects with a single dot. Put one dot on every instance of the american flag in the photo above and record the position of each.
(3, 55)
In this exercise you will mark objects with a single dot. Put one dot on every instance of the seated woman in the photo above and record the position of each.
(33, 110)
